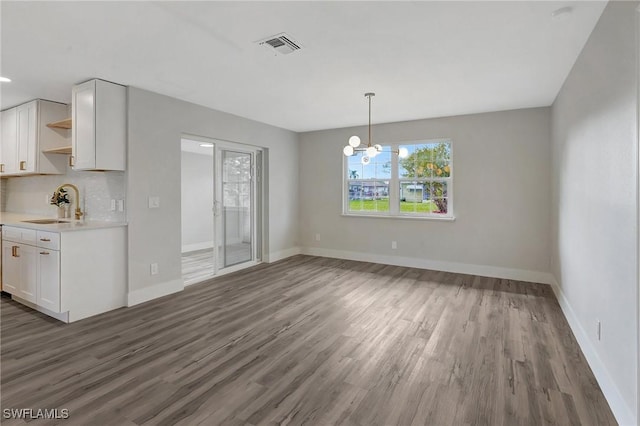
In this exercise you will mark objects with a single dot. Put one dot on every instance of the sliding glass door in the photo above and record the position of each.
(221, 207)
(237, 208)
(237, 205)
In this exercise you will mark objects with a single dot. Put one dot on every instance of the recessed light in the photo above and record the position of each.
(206, 145)
(5, 80)
(562, 13)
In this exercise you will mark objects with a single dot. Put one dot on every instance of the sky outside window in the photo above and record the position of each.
(378, 168)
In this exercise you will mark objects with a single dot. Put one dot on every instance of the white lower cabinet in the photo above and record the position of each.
(11, 268)
(20, 270)
(28, 289)
(49, 279)
(65, 275)
(32, 274)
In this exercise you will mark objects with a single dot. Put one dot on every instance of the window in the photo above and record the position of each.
(368, 185)
(418, 185)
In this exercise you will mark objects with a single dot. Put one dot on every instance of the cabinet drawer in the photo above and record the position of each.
(19, 235)
(11, 234)
(50, 240)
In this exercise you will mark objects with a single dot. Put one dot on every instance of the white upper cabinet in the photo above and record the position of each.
(99, 130)
(26, 139)
(9, 142)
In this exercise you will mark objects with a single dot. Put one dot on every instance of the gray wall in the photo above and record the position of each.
(197, 201)
(595, 212)
(155, 126)
(501, 197)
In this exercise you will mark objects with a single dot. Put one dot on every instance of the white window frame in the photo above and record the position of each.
(394, 187)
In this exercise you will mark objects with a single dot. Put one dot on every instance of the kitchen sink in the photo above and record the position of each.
(46, 221)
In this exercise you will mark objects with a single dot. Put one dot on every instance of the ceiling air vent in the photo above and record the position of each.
(281, 43)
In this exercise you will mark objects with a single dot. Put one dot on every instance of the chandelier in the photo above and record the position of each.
(369, 151)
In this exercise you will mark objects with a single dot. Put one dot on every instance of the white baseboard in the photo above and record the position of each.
(153, 292)
(197, 246)
(438, 265)
(623, 414)
(282, 254)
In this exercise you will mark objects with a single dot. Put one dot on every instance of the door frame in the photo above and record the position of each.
(258, 190)
(638, 211)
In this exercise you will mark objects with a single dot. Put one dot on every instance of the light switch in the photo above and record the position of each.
(154, 202)
(113, 205)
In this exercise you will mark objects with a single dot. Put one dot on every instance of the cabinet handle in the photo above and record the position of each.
(1, 168)
(72, 161)
(14, 251)
(23, 165)
(44, 252)
(45, 239)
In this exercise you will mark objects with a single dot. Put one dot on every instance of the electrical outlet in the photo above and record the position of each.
(154, 269)
(113, 206)
(120, 205)
(317, 237)
(394, 245)
(598, 329)
(154, 202)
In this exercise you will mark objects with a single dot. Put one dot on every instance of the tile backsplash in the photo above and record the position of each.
(31, 194)
(3, 194)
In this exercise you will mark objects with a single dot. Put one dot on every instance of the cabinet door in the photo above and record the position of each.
(9, 142)
(10, 267)
(49, 279)
(28, 287)
(83, 142)
(27, 142)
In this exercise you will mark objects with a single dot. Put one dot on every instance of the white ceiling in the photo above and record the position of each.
(423, 59)
(195, 147)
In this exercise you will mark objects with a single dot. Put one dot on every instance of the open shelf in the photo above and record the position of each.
(61, 150)
(62, 124)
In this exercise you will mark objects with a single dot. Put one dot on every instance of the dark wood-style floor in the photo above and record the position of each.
(313, 341)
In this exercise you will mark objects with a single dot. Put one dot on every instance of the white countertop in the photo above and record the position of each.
(17, 219)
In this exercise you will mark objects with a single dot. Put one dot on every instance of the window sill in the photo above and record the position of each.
(380, 216)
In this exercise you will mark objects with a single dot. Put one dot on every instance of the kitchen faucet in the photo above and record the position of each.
(78, 212)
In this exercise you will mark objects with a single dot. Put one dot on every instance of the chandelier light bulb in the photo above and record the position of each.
(354, 141)
(369, 151)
